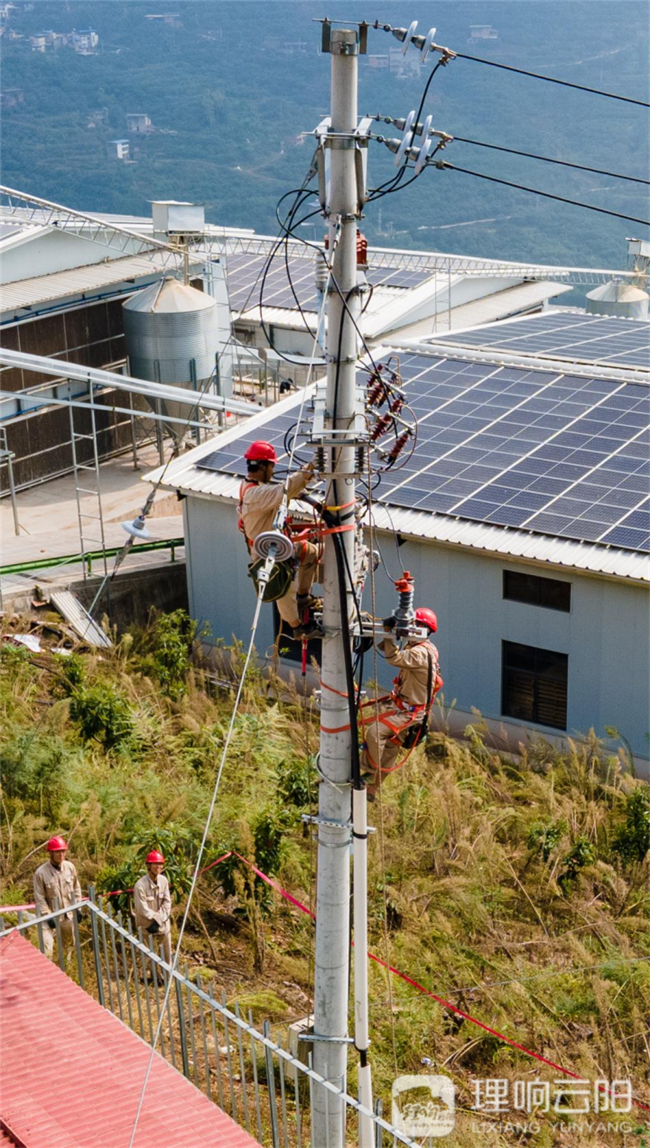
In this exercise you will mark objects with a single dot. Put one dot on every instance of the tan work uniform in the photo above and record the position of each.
(259, 505)
(410, 690)
(152, 902)
(56, 887)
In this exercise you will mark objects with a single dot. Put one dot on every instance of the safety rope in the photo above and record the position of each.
(197, 868)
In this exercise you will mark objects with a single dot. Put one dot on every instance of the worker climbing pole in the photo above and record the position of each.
(267, 529)
(358, 425)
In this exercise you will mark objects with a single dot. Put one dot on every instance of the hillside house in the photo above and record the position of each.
(137, 123)
(122, 149)
(11, 98)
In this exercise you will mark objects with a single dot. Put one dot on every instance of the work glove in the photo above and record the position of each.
(77, 914)
(154, 927)
(51, 923)
(389, 623)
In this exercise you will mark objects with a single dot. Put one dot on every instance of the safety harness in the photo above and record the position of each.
(409, 735)
(281, 576)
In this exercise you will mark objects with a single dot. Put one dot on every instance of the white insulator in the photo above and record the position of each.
(409, 36)
(426, 47)
(268, 538)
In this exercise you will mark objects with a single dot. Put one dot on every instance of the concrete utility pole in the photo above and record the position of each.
(332, 963)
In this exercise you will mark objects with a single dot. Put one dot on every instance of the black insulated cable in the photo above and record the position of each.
(444, 166)
(551, 79)
(547, 159)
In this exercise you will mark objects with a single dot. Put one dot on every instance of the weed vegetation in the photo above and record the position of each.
(514, 888)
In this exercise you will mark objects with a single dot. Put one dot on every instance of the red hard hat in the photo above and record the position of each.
(56, 845)
(427, 618)
(261, 452)
(155, 858)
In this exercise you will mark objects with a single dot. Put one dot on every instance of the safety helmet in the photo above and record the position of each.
(261, 452)
(56, 845)
(427, 617)
(155, 858)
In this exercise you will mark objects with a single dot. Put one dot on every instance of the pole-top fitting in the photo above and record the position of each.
(344, 41)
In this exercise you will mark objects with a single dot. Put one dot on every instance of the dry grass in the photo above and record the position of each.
(485, 906)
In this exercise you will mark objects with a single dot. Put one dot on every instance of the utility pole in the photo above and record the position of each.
(332, 964)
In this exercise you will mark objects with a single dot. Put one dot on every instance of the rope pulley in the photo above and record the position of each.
(273, 544)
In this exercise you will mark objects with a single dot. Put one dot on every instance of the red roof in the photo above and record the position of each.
(72, 1072)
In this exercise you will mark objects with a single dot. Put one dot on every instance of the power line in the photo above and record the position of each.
(551, 79)
(547, 159)
(442, 164)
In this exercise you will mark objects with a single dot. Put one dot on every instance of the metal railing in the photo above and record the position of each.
(252, 1074)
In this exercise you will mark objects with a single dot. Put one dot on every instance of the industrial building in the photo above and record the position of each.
(523, 514)
(65, 277)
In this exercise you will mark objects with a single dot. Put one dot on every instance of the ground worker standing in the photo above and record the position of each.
(259, 501)
(152, 903)
(56, 885)
(399, 724)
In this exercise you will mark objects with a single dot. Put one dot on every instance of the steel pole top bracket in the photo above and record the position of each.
(357, 47)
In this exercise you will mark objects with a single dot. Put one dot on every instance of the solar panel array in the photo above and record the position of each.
(244, 273)
(590, 338)
(555, 454)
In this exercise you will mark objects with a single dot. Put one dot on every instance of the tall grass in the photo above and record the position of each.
(516, 889)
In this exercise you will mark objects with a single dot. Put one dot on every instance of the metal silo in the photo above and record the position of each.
(623, 300)
(172, 336)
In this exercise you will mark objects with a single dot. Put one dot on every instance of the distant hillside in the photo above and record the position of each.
(231, 88)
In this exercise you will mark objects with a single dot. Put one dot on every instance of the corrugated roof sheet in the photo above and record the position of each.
(80, 280)
(87, 1094)
(500, 305)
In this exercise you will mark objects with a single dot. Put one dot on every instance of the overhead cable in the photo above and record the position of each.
(443, 165)
(547, 159)
(551, 79)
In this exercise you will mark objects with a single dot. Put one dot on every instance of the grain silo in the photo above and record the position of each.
(172, 336)
(619, 300)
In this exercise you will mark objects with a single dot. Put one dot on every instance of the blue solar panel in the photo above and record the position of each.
(581, 475)
(244, 275)
(581, 338)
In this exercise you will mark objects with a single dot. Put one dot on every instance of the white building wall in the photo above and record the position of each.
(606, 635)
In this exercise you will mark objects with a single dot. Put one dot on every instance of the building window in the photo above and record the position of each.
(534, 591)
(534, 684)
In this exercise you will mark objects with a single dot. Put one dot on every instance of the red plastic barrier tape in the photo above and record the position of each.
(396, 972)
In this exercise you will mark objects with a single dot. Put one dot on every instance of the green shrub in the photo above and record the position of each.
(632, 840)
(33, 771)
(102, 713)
(296, 782)
(170, 652)
(582, 853)
(544, 837)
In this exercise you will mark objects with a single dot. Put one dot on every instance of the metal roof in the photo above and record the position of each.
(184, 475)
(500, 305)
(80, 281)
(93, 1101)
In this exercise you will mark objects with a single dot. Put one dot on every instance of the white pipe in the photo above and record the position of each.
(360, 910)
(61, 369)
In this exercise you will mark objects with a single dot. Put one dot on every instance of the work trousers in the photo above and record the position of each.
(49, 937)
(381, 753)
(308, 554)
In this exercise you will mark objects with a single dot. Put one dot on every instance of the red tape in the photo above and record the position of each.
(378, 961)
